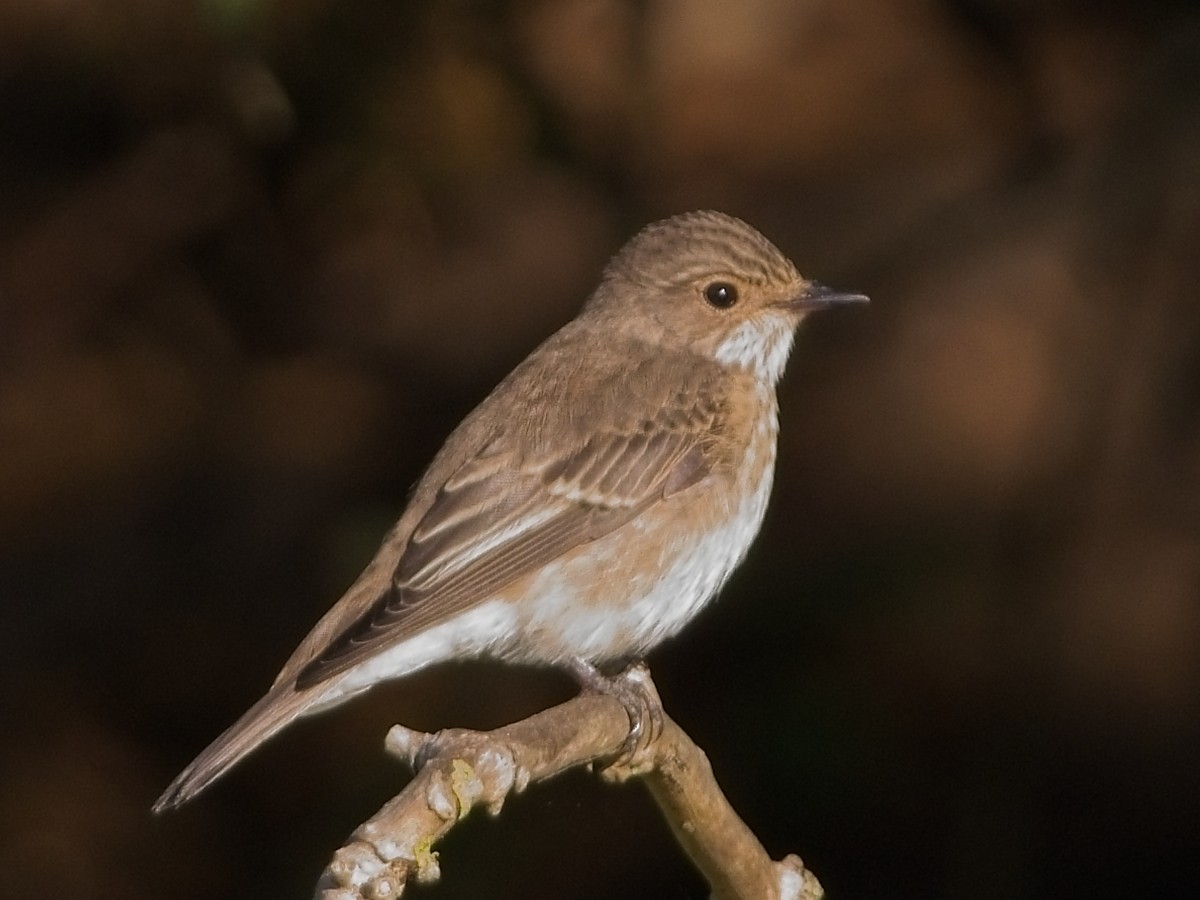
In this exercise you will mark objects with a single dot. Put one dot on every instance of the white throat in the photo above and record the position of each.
(761, 345)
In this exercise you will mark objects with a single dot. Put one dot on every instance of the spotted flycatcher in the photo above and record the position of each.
(593, 503)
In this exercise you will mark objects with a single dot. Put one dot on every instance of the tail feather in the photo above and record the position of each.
(281, 705)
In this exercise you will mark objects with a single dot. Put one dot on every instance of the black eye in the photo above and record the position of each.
(721, 294)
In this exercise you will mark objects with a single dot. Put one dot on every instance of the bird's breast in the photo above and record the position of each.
(621, 595)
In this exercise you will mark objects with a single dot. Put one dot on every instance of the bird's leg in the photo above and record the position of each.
(638, 695)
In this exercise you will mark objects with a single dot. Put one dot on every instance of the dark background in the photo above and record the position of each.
(257, 259)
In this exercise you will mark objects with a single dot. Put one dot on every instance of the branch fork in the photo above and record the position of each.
(458, 770)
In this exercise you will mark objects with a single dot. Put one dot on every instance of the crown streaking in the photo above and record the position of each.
(692, 245)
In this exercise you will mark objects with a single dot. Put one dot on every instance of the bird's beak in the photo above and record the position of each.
(818, 296)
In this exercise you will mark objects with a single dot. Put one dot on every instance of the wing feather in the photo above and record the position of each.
(498, 518)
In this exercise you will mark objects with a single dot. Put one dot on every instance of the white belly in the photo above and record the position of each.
(634, 612)
(627, 608)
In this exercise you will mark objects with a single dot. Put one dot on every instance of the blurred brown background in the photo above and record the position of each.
(257, 258)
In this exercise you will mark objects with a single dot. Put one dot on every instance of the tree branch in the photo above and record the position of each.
(458, 770)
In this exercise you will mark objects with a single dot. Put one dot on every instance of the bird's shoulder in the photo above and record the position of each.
(578, 385)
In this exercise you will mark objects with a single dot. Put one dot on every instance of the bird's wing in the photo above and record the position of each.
(498, 518)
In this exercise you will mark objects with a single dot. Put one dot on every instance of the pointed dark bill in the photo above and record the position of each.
(819, 296)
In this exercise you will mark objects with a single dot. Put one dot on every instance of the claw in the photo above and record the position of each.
(637, 694)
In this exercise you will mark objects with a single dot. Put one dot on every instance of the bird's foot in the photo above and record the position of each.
(636, 692)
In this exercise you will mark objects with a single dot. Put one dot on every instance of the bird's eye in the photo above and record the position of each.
(721, 294)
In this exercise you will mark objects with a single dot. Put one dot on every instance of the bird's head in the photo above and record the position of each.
(710, 284)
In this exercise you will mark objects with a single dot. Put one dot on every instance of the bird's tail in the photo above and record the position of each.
(282, 704)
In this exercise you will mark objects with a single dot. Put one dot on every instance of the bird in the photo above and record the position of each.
(593, 503)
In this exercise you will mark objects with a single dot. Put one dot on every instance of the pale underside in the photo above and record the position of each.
(598, 555)
(622, 595)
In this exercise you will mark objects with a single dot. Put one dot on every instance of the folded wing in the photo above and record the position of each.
(499, 518)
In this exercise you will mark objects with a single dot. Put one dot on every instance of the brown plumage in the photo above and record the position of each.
(593, 503)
